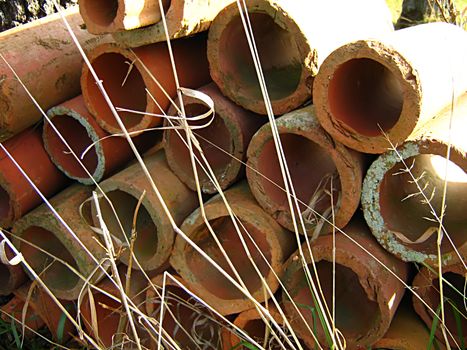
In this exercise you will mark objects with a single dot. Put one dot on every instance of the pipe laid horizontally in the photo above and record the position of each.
(11, 276)
(371, 93)
(292, 39)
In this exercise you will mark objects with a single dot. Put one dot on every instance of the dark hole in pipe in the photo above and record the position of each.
(5, 205)
(101, 12)
(366, 96)
(278, 52)
(209, 277)
(5, 277)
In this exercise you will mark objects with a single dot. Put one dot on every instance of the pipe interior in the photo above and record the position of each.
(5, 278)
(313, 173)
(101, 12)
(256, 328)
(145, 245)
(216, 133)
(366, 96)
(78, 139)
(55, 274)
(113, 69)
(356, 314)
(404, 210)
(5, 204)
(278, 51)
(209, 277)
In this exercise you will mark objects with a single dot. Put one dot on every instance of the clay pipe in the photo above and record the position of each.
(318, 166)
(81, 131)
(224, 142)
(11, 276)
(125, 78)
(369, 93)
(392, 200)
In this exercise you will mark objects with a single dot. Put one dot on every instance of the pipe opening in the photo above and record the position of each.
(312, 183)
(356, 313)
(278, 51)
(101, 12)
(5, 205)
(366, 96)
(76, 134)
(145, 245)
(217, 133)
(256, 328)
(5, 278)
(55, 274)
(113, 69)
(209, 277)
(405, 210)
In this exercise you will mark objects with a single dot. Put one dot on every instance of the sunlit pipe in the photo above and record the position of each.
(126, 74)
(183, 18)
(108, 16)
(366, 292)
(17, 196)
(11, 276)
(81, 131)
(231, 131)
(271, 240)
(325, 174)
(48, 63)
(154, 234)
(398, 215)
(43, 230)
(292, 39)
(369, 93)
(426, 284)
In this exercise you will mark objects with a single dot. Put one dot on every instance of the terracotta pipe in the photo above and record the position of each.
(316, 163)
(42, 229)
(13, 310)
(231, 130)
(81, 130)
(107, 16)
(112, 64)
(17, 196)
(154, 232)
(367, 294)
(369, 91)
(426, 284)
(395, 212)
(11, 276)
(184, 18)
(50, 68)
(188, 322)
(109, 311)
(292, 39)
(205, 280)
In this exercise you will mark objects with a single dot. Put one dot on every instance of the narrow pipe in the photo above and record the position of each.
(42, 229)
(292, 39)
(274, 242)
(184, 18)
(154, 232)
(49, 67)
(126, 74)
(224, 142)
(392, 200)
(369, 93)
(325, 174)
(426, 284)
(366, 293)
(11, 276)
(17, 197)
(81, 130)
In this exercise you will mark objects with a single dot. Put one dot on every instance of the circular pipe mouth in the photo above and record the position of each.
(277, 49)
(6, 211)
(125, 86)
(405, 210)
(146, 242)
(101, 12)
(366, 96)
(78, 138)
(312, 184)
(209, 277)
(55, 274)
(216, 133)
(356, 313)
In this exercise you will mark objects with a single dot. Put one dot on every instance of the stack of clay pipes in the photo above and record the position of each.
(358, 112)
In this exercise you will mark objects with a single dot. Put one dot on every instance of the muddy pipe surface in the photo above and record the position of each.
(224, 142)
(292, 39)
(371, 93)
